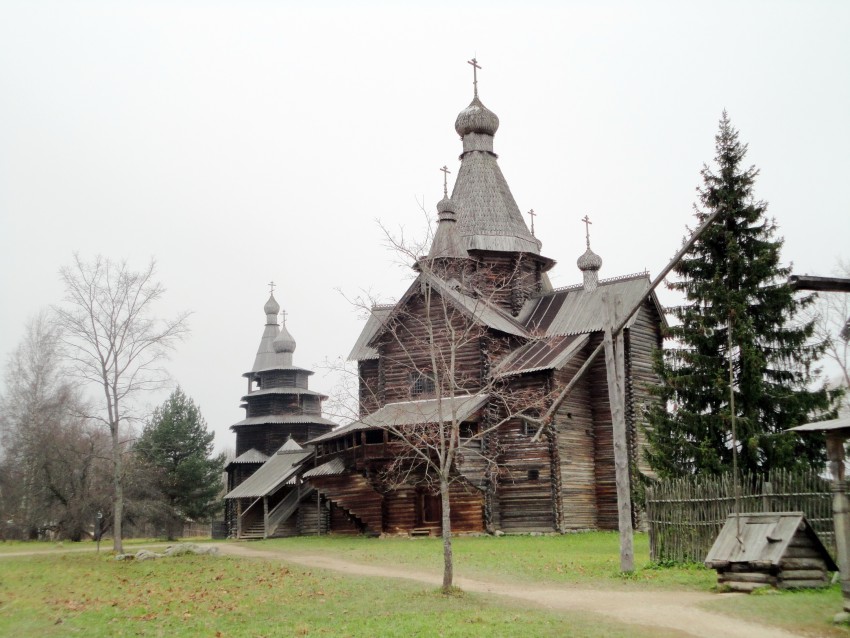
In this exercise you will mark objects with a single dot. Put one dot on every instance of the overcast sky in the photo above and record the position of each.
(242, 142)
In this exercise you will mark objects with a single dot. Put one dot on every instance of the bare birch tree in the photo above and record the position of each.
(115, 342)
(52, 459)
(428, 335)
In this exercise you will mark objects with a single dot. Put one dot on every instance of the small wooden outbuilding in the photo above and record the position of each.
(778, 549)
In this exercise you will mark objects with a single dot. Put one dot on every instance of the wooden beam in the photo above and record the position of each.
(615, 369)
(821, 284)
(624, 320)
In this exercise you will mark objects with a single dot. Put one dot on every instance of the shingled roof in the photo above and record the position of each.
(273, 473)
(573, 310)
(412, 413)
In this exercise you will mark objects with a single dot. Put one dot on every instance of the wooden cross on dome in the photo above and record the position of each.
(475, 67)
(446, 172)
(283, 316)
(532, 214)
(587, 224)
(271, 286)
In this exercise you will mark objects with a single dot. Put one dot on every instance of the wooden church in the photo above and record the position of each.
(481, 339)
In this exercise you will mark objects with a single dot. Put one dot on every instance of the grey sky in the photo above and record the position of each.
(239, 142)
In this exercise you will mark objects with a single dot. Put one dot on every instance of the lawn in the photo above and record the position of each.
(94, 595)
(586, 559)
(83, 593)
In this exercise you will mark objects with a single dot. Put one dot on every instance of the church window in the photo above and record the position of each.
(421, 384)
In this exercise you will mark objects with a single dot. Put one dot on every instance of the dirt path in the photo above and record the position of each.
(669, 610)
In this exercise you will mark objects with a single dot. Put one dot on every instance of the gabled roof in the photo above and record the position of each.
(765, 537)
(475, 308)
(274, 473)
(569, 311)
(249, 457)
(412, 413)
(541, 354)
(377, 317)
(334, 467)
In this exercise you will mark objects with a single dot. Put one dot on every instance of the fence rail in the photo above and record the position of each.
(686, 515)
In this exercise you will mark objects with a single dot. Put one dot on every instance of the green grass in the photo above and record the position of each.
(806, 612)
(93, 595)
(586, 559)
(82, 593)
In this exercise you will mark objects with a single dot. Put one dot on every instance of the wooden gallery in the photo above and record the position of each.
(473, 361)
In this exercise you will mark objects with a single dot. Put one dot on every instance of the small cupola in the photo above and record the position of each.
(589, 263)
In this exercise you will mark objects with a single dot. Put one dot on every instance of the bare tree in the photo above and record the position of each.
(52, 460)
(114, 341)
(433, 339)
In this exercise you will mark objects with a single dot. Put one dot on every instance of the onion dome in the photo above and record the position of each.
(589, 261)
(446, 209)
(476, 118)
(271, 309)
(284, 343)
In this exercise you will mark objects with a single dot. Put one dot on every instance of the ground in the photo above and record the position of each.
(674, 611)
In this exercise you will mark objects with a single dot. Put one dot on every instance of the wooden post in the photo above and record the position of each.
(615, 368)
(265, 517)
(766, 500)
(238, 518)
(840, 511)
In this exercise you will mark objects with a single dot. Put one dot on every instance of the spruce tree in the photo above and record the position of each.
(176, 446)
(732, 278)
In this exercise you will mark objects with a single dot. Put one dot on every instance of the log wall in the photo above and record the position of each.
(368, 386)
(603, 434)
(405, 349)
(576, 441)
(525, 493)
(643, 339)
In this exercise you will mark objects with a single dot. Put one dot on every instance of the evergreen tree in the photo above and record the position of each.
(732, 278)
(176, 445)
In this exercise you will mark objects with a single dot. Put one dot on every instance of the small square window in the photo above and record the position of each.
(421, 384)
(533, 475)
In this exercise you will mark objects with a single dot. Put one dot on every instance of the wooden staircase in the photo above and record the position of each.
(355, 495)
(254, 531)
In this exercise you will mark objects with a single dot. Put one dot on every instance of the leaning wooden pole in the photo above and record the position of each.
(618, 328)
(615, 365)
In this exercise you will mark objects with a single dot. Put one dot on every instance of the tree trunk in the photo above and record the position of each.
(448, 558)
(118, 505)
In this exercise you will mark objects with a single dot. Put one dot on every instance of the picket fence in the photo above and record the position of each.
(686, 515)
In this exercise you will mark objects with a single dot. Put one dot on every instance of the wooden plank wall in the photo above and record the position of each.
(644, 338)
(526, 503)
(268, 438)
(606, 483)
(368, 386)
(504, 281)
(576, 441)
(404, 349)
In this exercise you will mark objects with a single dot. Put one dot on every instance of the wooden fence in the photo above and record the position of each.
(686, 515)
